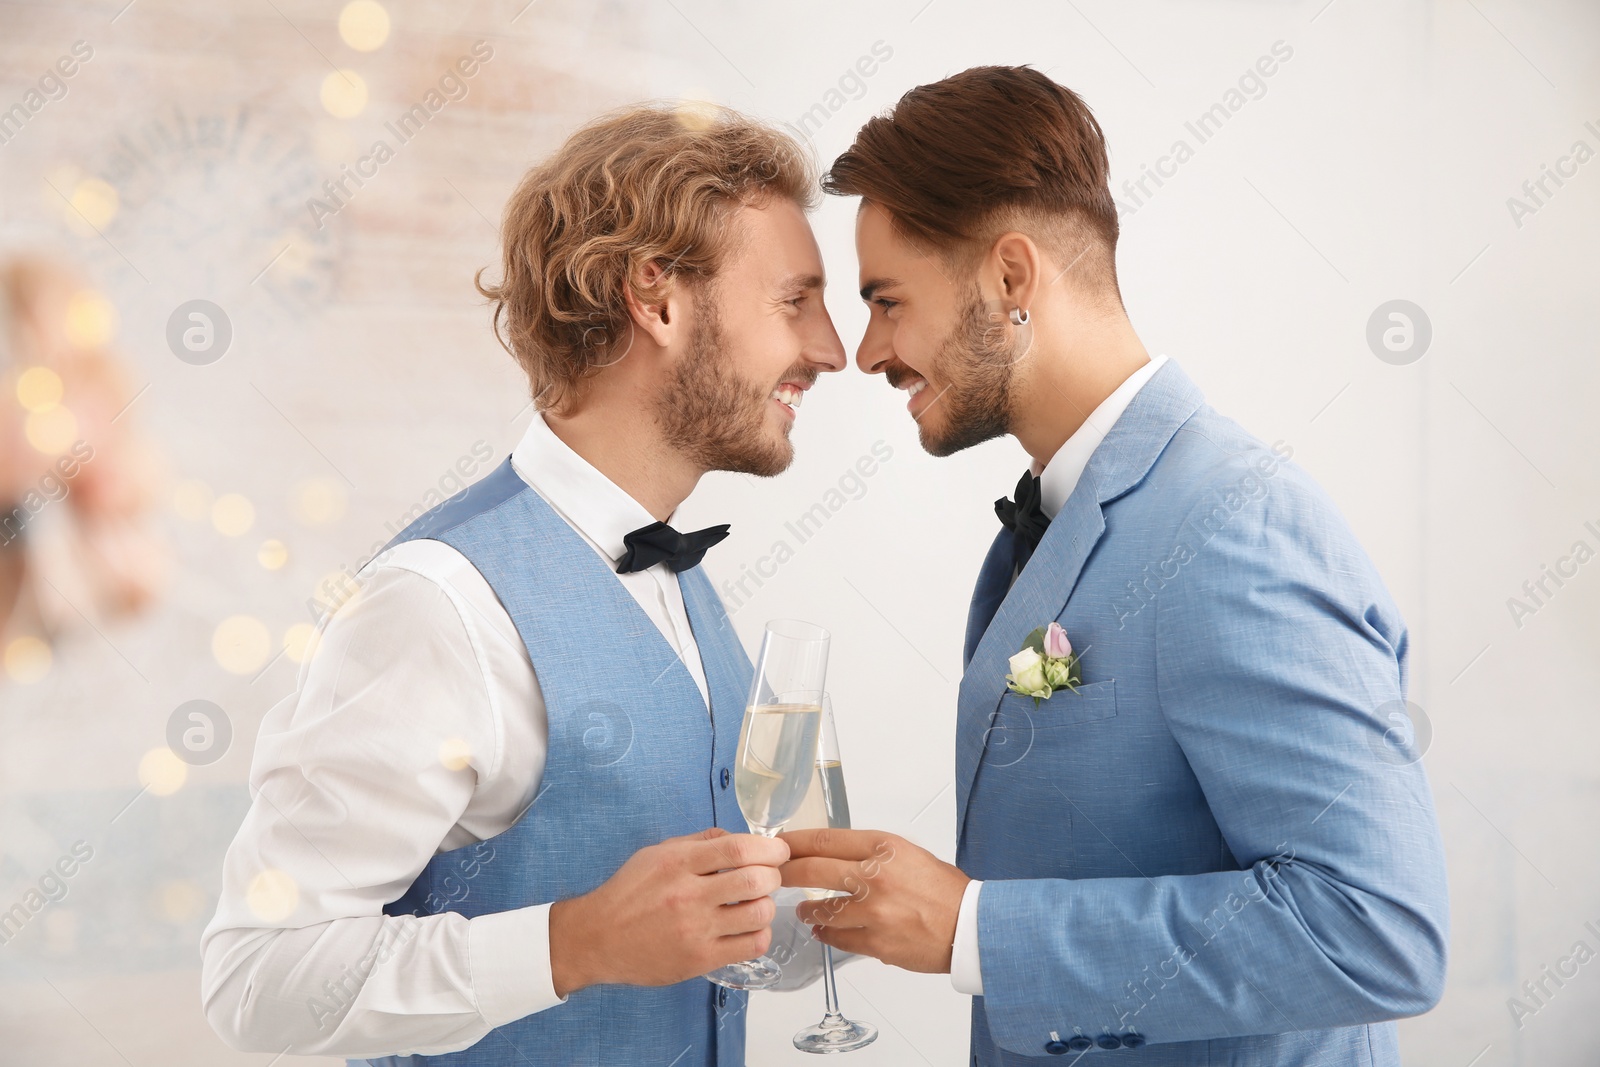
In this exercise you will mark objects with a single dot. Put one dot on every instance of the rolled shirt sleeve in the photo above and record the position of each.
(393, 748)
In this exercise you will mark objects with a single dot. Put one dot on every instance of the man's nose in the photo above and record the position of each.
(874, 352)
(827, 351)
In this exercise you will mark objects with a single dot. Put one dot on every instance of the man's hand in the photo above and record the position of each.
(673, 911)
(903, 903)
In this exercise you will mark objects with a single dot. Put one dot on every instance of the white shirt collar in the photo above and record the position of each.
(1060, 476)
(591, 503)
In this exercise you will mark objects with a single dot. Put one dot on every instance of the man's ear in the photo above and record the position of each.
(659, 318)
(1011, 272)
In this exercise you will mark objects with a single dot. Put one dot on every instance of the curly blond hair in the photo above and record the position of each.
(653, 183)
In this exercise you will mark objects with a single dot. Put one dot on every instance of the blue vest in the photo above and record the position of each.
(634, 758)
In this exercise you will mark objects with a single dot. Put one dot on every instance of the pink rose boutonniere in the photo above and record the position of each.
(1045, 664)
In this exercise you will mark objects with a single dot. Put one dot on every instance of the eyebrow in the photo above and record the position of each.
(875, 284)
(800, 281)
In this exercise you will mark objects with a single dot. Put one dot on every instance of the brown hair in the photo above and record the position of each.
(649, 183)
(957, 161)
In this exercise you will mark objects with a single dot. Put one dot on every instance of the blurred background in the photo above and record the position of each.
(240, 346)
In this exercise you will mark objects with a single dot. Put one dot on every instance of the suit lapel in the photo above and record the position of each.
(1037, 596)
(1042, 590)
(993, 581)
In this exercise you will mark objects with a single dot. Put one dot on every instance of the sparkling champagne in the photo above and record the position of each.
(777, 757)
(825, 803)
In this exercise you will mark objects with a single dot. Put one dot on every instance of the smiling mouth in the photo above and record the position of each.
(913, 387)
(789, 396)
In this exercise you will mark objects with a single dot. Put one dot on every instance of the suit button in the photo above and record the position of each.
(1132, 1040)
(722, 996)
(727, 776)
(1080, 1044)
(1056, 1048)
(1108, 1041)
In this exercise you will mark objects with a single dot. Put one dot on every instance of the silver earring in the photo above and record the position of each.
(1019, 316)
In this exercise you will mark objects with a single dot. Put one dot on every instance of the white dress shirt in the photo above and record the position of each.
(417, 727)
(1056, 483)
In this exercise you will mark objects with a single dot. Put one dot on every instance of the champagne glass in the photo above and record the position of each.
(834, 1033)
(777, 751)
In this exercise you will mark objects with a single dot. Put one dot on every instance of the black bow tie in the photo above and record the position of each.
(1023, 518)
(660, 543)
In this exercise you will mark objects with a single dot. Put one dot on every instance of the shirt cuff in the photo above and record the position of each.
(966, 974)
(509, 953)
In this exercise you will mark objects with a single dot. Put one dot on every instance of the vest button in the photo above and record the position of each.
(1132, 1041)
(1080, 1044)
(1055, 1048)
(722, 996)
(727, 776)
(1108, 1042)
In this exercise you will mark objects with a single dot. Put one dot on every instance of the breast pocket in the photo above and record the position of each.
(1065, 707)
(1018, 725)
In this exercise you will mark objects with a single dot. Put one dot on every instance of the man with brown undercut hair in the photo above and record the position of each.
(1192, 824)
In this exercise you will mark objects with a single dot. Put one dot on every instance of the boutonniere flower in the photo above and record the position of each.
(1045, 664)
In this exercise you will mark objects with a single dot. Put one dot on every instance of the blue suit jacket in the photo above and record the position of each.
(1221, 848)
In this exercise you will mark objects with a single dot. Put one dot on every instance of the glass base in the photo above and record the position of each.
(835, 1033)
(762, 973)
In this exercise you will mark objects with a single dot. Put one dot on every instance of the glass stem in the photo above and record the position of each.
(829, 989)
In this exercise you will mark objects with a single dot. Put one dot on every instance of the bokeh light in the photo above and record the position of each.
(364, 25)
(344, 94)
(52, 431)
(317, 501)
(39, 389)
(233, 514)
(95, 202)
(298, 254)
(272, 896)
(695, 111)
(241, 644)
(28, 659)
(272, 554)
(455, 754)
(162, 772)
(91, 320)
(181, 900)
(300, 641)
